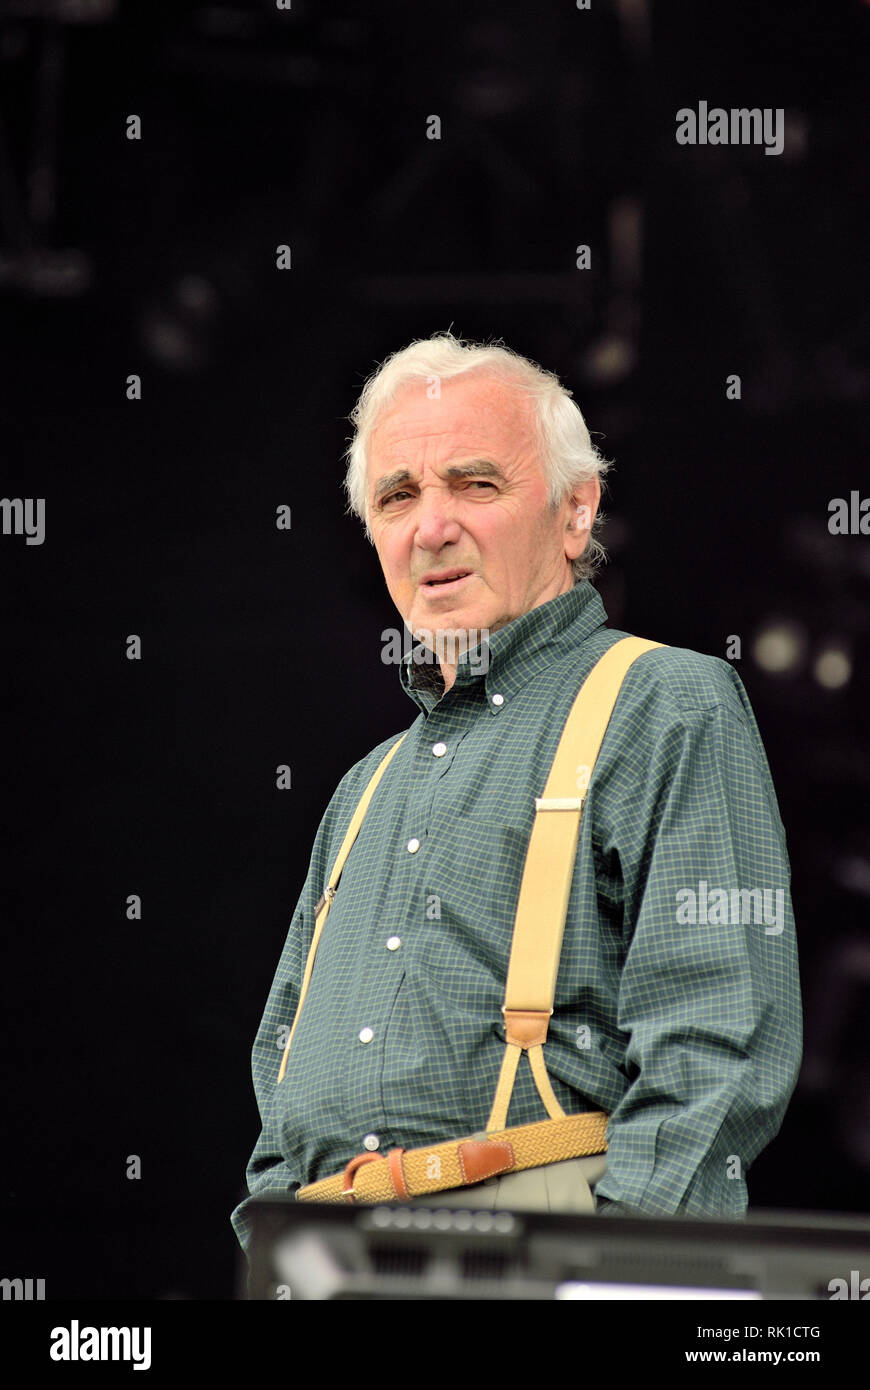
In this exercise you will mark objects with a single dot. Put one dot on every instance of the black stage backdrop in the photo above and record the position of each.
(151, 251)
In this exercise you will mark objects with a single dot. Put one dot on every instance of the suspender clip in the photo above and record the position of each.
(327, 894)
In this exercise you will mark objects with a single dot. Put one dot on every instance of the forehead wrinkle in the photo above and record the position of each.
(501, 425)
(409, 417)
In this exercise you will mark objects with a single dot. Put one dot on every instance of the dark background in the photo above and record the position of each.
(262, 647)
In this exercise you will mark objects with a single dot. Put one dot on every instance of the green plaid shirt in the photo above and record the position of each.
(678, 1017)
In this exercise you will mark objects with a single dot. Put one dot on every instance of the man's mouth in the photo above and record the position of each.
(447, 579)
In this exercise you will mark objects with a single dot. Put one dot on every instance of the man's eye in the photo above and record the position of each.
(474, 482)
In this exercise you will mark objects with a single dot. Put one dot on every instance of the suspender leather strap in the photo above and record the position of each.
(547, 876)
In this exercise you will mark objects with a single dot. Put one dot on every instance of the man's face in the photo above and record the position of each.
(457, 483)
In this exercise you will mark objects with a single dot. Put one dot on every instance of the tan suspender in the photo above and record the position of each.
(547, 876)
(321, 910)
(546, 884)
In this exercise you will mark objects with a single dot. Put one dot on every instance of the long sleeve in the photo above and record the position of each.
(267, 1170)
(708, 997)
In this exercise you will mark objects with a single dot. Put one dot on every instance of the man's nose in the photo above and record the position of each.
(436, 521)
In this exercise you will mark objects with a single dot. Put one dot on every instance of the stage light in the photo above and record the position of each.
(780, 647)
(832, 666)
(178, 328)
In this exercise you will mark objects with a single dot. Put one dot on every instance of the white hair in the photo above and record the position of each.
(569, 457)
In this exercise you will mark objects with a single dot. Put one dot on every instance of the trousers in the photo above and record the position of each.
(566, 1186)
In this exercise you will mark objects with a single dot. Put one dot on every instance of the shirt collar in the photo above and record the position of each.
(514, 653)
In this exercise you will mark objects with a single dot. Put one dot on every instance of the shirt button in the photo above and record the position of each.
(371, 1141)
(498, 699)
(439, 749)
(413, 846)
(394, 943)
(366, 1034)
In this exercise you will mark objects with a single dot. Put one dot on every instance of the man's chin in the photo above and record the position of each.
(451, 636)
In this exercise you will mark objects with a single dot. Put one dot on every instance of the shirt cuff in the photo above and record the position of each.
(604, 1207)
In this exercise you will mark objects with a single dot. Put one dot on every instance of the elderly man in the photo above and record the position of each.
(676, 1018)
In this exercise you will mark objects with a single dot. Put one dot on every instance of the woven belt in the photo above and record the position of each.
(405, 1173)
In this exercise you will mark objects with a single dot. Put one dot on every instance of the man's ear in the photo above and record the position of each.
(583, 508)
